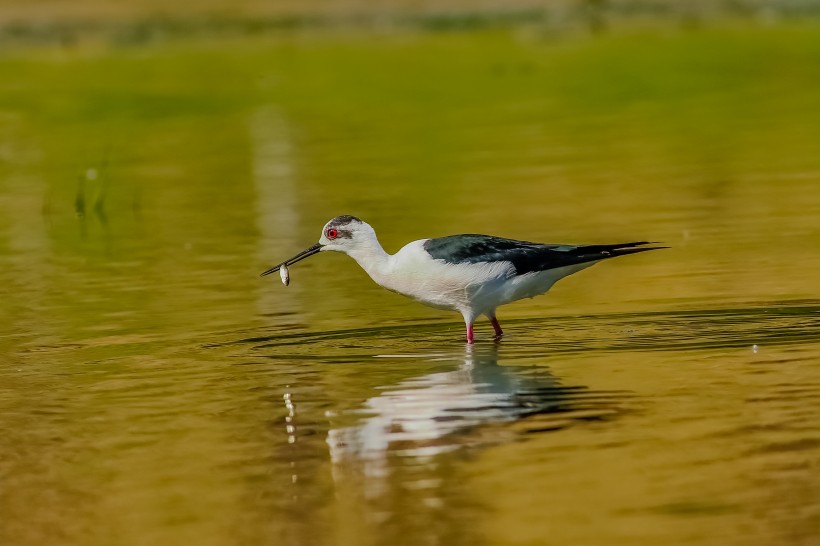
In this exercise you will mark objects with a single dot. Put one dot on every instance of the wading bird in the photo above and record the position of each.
(471, 274)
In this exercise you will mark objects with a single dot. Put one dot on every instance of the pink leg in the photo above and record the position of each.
(470, 337)
(497, 327)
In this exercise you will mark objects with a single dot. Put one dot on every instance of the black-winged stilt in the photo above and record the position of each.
(471, 274)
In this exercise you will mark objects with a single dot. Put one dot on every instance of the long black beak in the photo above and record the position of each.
(301, 256)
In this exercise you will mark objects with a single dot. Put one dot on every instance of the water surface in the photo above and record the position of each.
(154, 390)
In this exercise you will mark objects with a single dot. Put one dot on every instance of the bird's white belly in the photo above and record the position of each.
(438, 284)
(497, 289)
(449, 286)
(534, 284)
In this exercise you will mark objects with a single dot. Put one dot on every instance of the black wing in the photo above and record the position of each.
(525, 256)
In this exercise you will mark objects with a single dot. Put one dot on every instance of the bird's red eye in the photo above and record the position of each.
(332, 233)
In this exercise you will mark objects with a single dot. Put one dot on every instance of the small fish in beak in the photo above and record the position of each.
(283, 267)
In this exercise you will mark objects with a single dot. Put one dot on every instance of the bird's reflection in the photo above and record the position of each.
(419, 419)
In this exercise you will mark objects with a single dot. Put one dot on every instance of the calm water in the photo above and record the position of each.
(154, 390)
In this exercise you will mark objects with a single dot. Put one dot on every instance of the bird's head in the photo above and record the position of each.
(344, 234)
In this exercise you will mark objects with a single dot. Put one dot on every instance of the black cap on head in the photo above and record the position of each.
(343, 220)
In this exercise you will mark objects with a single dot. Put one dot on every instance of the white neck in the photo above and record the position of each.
(372, 258)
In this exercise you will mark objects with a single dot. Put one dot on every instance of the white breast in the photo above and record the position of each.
(413, 273)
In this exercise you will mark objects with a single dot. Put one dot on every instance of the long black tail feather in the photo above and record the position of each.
(592, 253)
